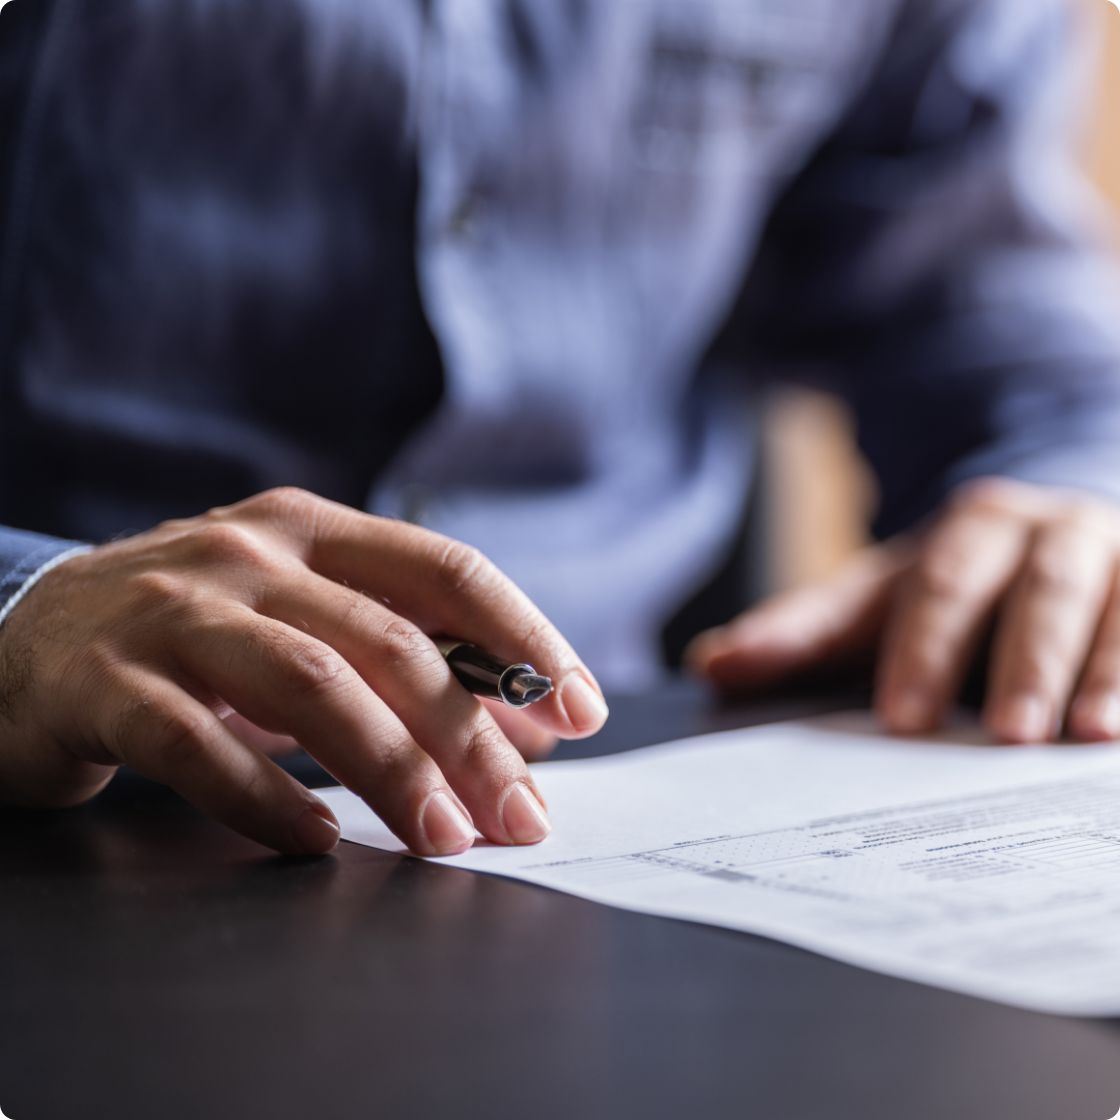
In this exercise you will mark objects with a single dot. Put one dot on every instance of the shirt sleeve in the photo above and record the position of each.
(24, 559)
(940, 262)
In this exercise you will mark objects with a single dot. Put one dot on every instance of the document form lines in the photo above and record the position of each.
(1002, 879)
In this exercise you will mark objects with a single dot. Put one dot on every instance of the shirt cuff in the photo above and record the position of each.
(22, 577)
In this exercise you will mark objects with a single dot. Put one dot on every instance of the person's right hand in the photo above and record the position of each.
(305, 619)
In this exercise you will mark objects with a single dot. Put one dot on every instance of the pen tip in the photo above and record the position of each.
(528, 688)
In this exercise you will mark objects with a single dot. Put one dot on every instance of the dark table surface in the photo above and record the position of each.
(154, 965)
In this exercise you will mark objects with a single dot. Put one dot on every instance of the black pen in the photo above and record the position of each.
(479, 672)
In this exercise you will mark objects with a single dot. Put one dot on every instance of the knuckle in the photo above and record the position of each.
(396, 772)
(394, 764)
(988, 494)
(537, 634)
(401, 767)
(311, 669)
(543, 645)
(285, 502)
(142, 725)
(483, 749)
(178, 526)
(224, 543)
(130, 725)
(400, 640)
(362, 614)
(1049, 572)
(461, 566)
(157, 589)
(940, 574)
(180, 735)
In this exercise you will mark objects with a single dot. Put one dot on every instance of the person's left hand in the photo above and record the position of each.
(1041, 565)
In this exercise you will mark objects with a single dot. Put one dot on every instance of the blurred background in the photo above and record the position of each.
(820, 496)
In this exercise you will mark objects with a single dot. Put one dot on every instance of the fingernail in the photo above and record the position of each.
(910, 712)
(585, 708)
(1027, 718)
(446, 830)
(524, 819)
(1098, 716)
(316, 831)
(535, 791)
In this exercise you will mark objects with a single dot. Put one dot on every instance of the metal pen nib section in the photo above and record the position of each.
(516, 686)
(524, 688)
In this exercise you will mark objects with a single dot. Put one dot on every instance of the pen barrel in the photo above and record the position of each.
(480, 673)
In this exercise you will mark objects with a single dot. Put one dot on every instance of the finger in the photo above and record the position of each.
(1044, 635)
(290, 683)
(802, 629)
(445, 587)
(532, 741)
(943, 605)
(1095, 712)
(400, 663)
(155, 727)
(267, 742)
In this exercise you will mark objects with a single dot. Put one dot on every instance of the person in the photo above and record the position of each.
(453, 316)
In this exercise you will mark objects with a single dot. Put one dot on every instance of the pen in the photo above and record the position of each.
(479, 672)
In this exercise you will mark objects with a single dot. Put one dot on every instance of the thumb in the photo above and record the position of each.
(814, 627)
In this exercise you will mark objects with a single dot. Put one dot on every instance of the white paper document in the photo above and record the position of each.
(993, 871)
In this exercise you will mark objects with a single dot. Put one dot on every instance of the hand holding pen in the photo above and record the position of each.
(306, 620)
